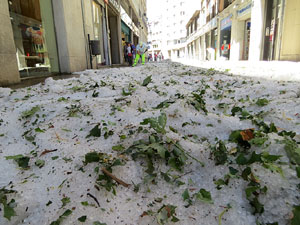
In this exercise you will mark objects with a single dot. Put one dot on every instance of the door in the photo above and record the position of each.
(271, 29)
(247, 39)
(98, 35)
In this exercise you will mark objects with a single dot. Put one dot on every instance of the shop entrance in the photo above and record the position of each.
(271, 29)
(247, 39)
(113, 36)
(225, 37)
(98, 31)
(34, 36)
(225, 42)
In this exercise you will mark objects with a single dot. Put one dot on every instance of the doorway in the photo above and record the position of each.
(98, 31)
(225, 42)
(271, 29)
(247, 39)
(114, 36)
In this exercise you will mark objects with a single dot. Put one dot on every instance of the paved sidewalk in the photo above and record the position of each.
(271, 70)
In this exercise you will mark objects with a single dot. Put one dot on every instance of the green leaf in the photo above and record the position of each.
(241, 159)
(258, 207)
(266, 157)
(258, 141)
(62, 217)
(14, 157)
(250, 190)
(62, 99)
(220, 153)
(92, 157)
(39, 130)
(296, 217)
(173, 129)
(164, 104)
(39, 163)
(103, 84)
(235, 110)
(9, 209)
(175, 163)
(292, 151)
(65, 201)
(84, 203)
(21, 160)
(147, 81)
(298, 171)
(95, 132)
(162, 120)
(82, 219)
(204, 196)
(235, 136)
(185, 195)
(31, 112)
(124, 93)
(233, 171)
(161, 150)
(95, 94)
(118, 148)
(262, 102)
(166, 177)
(158, 124)
(198, 101)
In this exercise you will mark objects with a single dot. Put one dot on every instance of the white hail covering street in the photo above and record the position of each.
(50, 123)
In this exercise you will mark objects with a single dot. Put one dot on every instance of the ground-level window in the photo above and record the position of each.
(34, 36)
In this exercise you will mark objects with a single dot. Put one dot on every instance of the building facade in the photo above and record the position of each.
(244, 30)
(41, 38)
(167, 30)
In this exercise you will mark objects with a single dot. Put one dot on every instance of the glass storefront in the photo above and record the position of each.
(225, 37)
(98, 34)
(34, 36)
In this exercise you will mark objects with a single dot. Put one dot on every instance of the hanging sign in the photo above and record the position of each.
(244, 11)
(226, 22)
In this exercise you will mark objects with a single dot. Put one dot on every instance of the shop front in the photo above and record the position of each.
(126, 32)
(34, 37)
(244, 15)
(271, 40)
(225, 36)
(114, 27)
(99, 31)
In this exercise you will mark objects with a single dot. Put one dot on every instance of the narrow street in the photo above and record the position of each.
(163, 143)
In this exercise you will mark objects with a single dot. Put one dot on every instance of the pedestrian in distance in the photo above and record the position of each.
(141, 49)
(129, 53)
(133, 49)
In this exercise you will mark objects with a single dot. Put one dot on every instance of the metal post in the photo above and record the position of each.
(91, 57)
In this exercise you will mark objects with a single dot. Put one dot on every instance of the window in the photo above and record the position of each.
(34, 39)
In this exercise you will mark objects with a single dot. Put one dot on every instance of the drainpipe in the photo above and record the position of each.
(84, 32)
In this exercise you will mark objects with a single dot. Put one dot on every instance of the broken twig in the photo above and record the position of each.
(115, 178)
(48, 151)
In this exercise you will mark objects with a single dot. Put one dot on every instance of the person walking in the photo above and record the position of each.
(129, 53)
(141, 49)
(133, 51)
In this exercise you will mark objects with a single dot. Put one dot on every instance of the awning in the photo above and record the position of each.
(125, 29)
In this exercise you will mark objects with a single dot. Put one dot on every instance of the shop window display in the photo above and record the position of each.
(31, 38)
